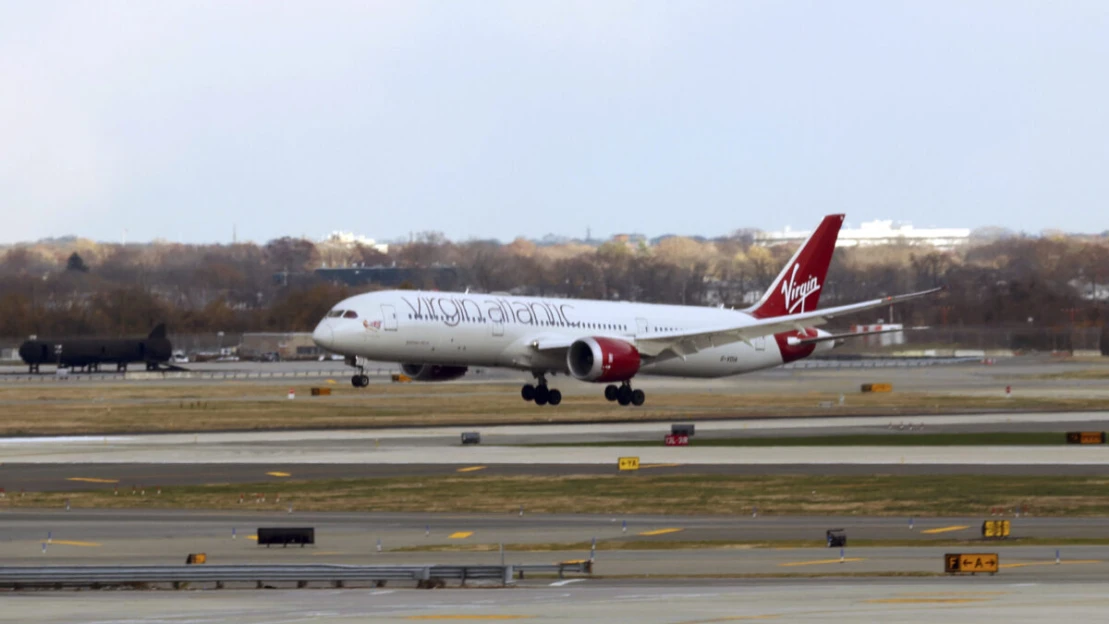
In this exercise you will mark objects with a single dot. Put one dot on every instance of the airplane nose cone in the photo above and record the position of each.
(323, 336)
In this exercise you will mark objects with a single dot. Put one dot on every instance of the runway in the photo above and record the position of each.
(640, 601)
(138, 537)
(409, 529)
(441, 445)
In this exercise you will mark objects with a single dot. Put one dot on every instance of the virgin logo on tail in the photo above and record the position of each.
(792, 294)
(795, 294)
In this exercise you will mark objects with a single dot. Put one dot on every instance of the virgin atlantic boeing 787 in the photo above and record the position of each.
(436, 336)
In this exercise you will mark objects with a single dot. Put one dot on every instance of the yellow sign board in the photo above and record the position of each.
(628, 463)
(1085, 437)
(877, 387)
(996, 529)
(970, 563)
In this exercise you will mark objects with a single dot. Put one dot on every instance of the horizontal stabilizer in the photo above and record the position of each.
(804, 341)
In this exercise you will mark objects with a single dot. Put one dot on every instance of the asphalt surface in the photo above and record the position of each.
(440, 445)
(35, 537)
(423, 529)
(910, 601)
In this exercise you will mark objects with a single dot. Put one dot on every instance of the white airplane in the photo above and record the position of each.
(436, 336)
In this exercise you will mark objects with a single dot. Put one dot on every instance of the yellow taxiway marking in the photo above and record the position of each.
(643, 466)
(951, 594)
(460, 535)
(279, 474)
(252, 537)
(734, 618)
(72, 543)
(469, 616)
(661, 531)
(1047, 563)
(819, 562)
(331, 381)
(944, 529)
(92, 480)
(925, 600)
(471, 469)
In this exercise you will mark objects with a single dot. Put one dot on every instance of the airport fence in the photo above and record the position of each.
(59, 577)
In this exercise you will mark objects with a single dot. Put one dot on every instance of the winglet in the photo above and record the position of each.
(159, 331)
(797, 287)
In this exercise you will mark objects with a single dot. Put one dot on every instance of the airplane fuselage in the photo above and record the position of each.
(465, 329)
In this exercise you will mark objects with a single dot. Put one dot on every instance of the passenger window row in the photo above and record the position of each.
(588, 325)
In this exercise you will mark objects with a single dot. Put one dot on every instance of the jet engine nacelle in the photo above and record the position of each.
(602, 359)
(433, 372)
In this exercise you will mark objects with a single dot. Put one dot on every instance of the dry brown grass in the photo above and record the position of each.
(917, 496)
(252, 406)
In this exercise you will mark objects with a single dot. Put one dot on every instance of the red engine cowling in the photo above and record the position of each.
(602, 359)
(433, 372)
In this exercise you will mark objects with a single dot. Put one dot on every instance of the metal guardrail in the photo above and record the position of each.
(217, 575)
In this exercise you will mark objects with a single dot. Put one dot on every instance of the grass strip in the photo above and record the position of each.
(628, 493)
(241, 406)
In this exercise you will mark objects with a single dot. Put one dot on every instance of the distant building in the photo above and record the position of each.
(287, 346)
(439, 277)
(877, 233)
(350, 240)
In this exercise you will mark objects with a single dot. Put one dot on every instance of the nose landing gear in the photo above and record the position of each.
(624, 395)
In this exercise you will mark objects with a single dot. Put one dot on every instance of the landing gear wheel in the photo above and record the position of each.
(542, 395)
(356, 381)
(554, 398)
(528, 392)
(611, 392)
(624, 395)
(364, 380)
(638, 397)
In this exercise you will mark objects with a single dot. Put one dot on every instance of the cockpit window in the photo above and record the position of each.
(334, 314)
(350, 314)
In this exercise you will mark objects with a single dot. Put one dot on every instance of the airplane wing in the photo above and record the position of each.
(682, 344)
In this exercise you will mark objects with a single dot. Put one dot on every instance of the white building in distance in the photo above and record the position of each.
(350, 239)
(877, 233)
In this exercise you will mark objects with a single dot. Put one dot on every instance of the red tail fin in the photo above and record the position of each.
(797, 287)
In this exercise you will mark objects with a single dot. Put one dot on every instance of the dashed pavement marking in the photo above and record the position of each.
(792, 564)
(660, 532)
(945, 529)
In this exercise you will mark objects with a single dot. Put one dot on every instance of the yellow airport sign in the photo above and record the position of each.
(1085, 437)
(970, 563)
(996, 529)
(628, 463)
(877, 387)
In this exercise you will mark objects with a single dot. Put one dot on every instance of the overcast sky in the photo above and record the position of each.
(487, 119)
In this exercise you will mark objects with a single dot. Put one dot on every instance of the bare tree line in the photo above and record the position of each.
(79, 287)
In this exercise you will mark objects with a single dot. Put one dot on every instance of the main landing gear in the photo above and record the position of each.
(361, 380)
(624, 395)
(540, 393)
